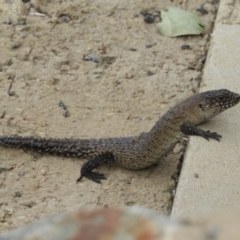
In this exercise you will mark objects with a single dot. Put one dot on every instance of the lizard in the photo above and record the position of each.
(136, 152)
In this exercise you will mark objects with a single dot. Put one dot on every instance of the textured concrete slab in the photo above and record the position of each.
(229, 12)
(210, 178)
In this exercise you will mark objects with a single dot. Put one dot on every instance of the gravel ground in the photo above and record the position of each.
(122, 94)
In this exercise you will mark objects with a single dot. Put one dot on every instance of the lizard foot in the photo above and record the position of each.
(94, 176)
(194, 131)
(87, 167)
(213, 135)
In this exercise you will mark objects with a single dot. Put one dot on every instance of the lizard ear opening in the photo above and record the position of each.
(201, 106)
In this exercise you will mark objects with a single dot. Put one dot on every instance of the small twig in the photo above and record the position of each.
(37, 14)
(11, 93)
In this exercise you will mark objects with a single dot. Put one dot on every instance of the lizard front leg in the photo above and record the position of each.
(87, 167)
(193, 130)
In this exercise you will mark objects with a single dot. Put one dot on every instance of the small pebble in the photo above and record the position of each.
(202, 10)
(148, 45)
(149, 73)
(66, 113)
(66, 18)
(17, 194)
(21, 173)
(61, 104)
(92, 57)
(11, 93)
(149, 18)
(185, 46)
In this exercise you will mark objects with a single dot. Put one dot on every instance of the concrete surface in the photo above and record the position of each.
(229, 12)
(210, 176)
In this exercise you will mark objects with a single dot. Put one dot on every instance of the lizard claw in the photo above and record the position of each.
(94, 176)
(207, 135)
(87, 167)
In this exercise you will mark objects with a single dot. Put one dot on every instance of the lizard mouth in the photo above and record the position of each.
(228, 104)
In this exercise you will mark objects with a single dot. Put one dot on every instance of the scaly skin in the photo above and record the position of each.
(136, 152)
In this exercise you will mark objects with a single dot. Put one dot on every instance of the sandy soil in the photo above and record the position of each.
(122, 95)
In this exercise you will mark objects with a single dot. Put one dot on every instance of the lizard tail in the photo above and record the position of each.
(62, 147)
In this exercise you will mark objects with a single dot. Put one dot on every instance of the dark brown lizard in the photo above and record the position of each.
(136, 152)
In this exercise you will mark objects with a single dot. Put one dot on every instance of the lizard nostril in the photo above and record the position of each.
(237, 97)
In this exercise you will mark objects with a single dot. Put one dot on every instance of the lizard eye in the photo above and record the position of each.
(221, 98)
(201, 106)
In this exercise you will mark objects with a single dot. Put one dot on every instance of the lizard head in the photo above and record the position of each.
(212, 103)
